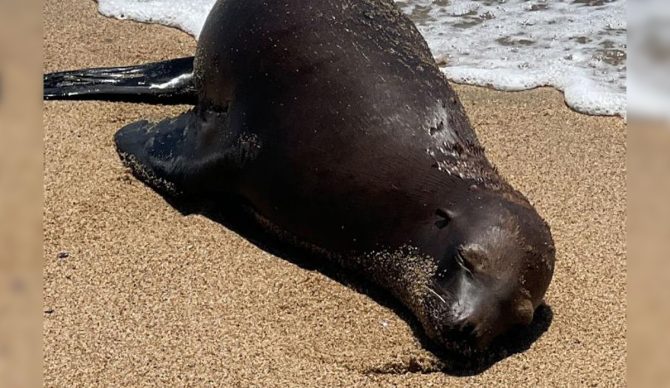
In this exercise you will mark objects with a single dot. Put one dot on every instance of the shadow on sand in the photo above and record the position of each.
(239, 220)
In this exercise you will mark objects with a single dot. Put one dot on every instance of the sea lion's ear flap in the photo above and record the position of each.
(446, 217)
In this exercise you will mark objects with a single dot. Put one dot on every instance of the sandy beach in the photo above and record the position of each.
(137, 294)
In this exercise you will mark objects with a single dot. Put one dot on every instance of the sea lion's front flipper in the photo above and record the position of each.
(193, 153)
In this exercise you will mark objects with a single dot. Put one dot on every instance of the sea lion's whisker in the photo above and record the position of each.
(436, 294)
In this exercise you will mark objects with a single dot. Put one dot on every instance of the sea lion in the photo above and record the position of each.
(333, 123)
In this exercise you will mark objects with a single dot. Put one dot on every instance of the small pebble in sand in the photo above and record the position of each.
(63, 255)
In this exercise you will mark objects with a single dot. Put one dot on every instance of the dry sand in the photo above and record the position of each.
(148, 296)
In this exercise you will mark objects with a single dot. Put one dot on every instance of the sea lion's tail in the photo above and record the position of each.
(167, 82)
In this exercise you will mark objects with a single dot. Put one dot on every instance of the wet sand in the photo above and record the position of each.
(147, 296)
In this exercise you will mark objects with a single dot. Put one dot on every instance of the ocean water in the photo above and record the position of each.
(576, 46)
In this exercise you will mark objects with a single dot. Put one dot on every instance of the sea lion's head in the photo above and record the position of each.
(497, 263)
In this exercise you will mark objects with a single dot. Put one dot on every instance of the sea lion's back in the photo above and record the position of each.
(359, 62)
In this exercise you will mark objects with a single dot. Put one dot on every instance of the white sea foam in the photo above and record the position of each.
(187, 15)
(577, 46)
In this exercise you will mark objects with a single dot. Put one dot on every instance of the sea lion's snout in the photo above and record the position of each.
(466, 314)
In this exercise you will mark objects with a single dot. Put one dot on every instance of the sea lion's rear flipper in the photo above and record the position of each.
(194, 153)
(167, 82)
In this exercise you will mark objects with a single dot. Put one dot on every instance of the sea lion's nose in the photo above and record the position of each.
(476, 321)
(479, 326)
(474, 331)
(468, 334)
